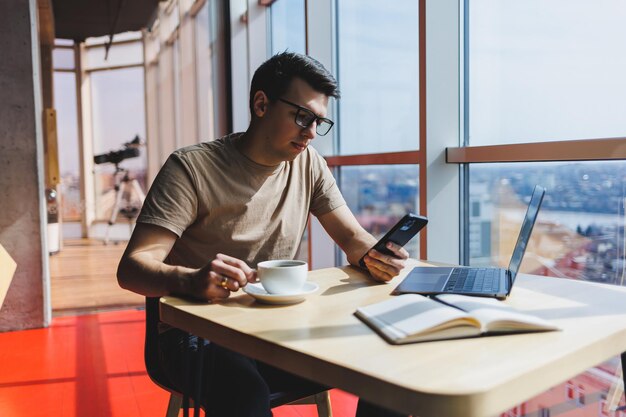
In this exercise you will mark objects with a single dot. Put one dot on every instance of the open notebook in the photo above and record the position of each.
(415, 318)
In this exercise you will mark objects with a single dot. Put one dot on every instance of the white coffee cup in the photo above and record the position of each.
(283, 276)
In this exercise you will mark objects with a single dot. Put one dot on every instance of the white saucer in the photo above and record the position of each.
(257, 291)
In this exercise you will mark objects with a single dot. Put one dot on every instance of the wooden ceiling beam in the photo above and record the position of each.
(46, 22)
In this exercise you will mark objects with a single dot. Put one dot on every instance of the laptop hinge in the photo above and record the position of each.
(509, 277)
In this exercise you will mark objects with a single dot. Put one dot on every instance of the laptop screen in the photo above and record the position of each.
(527, 228)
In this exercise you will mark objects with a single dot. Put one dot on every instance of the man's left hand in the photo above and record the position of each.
(384, 267)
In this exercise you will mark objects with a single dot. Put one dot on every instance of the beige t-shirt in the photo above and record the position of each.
(219, 201)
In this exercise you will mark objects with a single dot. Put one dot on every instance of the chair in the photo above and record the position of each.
(156, 374)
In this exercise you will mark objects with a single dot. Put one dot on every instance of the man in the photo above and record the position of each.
(216, 209)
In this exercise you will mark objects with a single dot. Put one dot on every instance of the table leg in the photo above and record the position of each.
(199, 365)
(186, 378)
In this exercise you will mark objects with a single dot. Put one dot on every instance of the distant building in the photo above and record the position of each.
(480, 218)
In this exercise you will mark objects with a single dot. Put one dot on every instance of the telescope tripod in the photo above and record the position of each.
(124, 188)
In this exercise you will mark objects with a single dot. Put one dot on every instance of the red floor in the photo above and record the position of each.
(91, 366)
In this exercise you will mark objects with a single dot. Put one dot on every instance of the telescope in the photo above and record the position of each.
(130, 150)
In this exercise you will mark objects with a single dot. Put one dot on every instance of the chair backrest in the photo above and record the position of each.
(151, 346)
(156, 374)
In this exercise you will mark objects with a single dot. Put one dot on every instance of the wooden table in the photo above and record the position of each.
(322, 340)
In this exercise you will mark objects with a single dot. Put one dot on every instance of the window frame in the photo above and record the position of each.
(412, 157)
(584, 149)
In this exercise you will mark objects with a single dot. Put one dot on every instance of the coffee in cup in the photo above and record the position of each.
(282, 277)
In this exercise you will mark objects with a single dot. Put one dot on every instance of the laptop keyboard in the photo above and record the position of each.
(481, 280)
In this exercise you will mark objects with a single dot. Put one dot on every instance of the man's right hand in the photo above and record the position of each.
(220, 277)
(143, 270)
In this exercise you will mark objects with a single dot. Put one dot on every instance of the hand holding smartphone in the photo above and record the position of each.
(400, 234)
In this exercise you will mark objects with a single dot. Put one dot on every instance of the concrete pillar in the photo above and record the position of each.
(22, 204)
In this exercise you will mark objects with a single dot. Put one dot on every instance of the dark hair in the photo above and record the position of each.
(274, 76)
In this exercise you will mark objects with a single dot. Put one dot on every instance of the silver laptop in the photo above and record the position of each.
(484, 282)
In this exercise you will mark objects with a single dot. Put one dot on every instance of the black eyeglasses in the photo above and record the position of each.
(305, 117)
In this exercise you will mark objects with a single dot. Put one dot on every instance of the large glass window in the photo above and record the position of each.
(152, 120)
(67, 136)
(63, 42)
(288, 26)
(63, 58)
(549, 71)
(380, 195)
(122, 54)
(211, 60)
(177, 93)
(546, 70)
(580, 229)
(167, 103)
(118, 116)
(378, 76)
(204, 74)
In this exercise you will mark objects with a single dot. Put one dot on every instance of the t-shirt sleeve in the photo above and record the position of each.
(326, 194)
(172, 201)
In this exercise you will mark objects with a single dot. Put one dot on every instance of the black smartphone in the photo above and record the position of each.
(400, 234)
